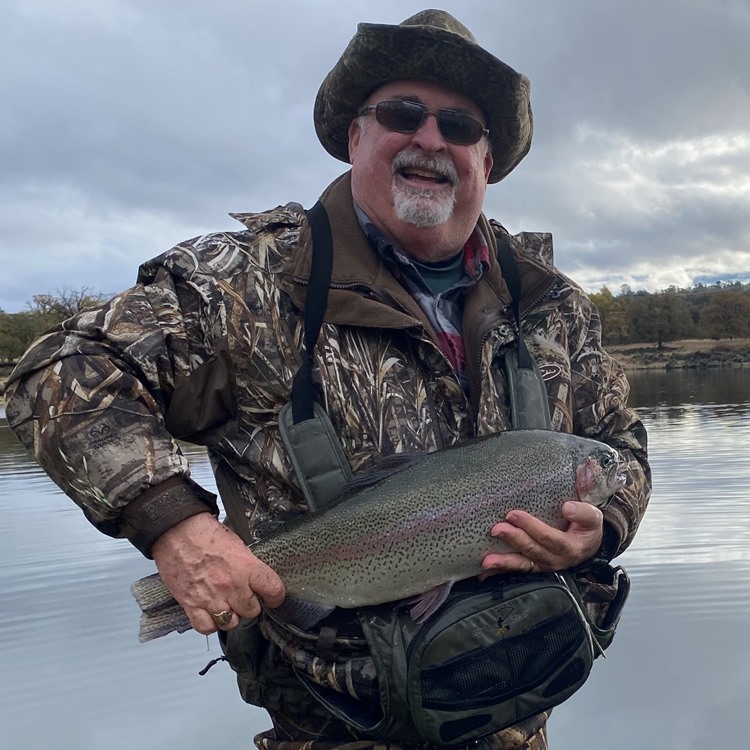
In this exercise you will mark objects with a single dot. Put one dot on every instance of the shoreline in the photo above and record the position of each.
(686, 354)
(683, 354)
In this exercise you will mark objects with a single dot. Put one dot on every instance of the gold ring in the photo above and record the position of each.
(222, 619)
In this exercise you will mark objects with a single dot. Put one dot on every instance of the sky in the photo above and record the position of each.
(127, 126)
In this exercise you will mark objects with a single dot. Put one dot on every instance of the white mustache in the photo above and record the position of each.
(440, 164)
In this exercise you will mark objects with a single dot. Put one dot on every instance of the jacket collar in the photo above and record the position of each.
(363, 291)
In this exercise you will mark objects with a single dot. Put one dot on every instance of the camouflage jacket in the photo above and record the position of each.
(205, 346)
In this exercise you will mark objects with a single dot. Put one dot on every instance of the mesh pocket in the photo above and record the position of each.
(509, 667)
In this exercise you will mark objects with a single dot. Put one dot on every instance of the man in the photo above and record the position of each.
(206, 345)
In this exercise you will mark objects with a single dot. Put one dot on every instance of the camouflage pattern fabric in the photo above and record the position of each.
(205, 346)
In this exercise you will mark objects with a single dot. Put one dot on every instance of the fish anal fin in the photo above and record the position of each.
(426, 604)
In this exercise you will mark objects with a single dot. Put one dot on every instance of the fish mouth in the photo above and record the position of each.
(618, 477)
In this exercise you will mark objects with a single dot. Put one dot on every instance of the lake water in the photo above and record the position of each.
(677, 676)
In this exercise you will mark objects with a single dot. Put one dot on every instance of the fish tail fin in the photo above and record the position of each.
(160, 612)
(150, 593)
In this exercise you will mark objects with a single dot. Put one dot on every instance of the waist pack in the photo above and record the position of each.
(495, 653)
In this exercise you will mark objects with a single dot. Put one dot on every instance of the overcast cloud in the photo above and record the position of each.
(129, 125)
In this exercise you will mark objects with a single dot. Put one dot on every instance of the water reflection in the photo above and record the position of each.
(677, 387)
(677, 675)
(74, 674)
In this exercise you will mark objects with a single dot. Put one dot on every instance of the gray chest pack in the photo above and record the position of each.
(496, 652)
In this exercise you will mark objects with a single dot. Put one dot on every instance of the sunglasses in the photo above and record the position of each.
(407, 117)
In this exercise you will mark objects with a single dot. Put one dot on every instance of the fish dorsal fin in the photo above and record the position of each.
(385, 468)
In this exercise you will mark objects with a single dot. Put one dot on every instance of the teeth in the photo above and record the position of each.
(423, 173)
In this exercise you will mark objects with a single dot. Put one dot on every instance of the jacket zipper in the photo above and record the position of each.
(541, 290)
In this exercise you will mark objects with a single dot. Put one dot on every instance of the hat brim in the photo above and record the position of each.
(379, 53)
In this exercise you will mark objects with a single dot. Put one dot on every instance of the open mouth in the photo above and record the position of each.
(417, 174)
(423, 171)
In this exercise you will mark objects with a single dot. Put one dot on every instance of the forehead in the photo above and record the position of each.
(431, 94)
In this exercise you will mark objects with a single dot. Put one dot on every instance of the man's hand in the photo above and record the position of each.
(540, 547)
(209, 569)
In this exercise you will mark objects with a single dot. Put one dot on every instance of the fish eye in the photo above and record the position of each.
(607, 460)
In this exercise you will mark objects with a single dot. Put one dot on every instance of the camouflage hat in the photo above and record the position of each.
(431, 46)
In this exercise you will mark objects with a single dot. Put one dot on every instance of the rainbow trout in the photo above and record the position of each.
(414, 528)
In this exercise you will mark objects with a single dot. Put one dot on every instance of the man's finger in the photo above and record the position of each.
(530, 536)
(201, 621)
(247, 605)
(505, 561)
(266, 584)
(584, 515)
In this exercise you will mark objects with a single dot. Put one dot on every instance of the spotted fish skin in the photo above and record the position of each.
(428, 523)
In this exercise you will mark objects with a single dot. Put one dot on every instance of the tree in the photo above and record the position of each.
(726, 315)
(613, 312)
(66, 302)
(18, 330)
(659, 318)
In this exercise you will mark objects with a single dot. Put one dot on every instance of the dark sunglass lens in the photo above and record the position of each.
(459, 128)
(404, 117)
(407, 117)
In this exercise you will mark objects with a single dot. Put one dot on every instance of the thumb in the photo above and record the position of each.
(582, 514)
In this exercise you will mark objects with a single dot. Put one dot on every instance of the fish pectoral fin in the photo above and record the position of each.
(426, 604)
(301, 614)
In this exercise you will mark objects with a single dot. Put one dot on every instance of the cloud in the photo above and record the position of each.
(128, 126)
(654, 213)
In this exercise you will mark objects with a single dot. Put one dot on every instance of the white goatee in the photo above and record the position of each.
(423, 207)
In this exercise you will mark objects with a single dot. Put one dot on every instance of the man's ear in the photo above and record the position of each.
(355, 133)
(488, 162)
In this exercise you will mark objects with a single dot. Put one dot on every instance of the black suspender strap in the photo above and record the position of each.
(319, 462)
(316, 299)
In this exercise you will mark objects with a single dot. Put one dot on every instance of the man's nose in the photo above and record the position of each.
(428, 135)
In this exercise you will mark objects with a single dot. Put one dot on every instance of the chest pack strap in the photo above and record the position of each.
(529, 403)
(314, 449)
